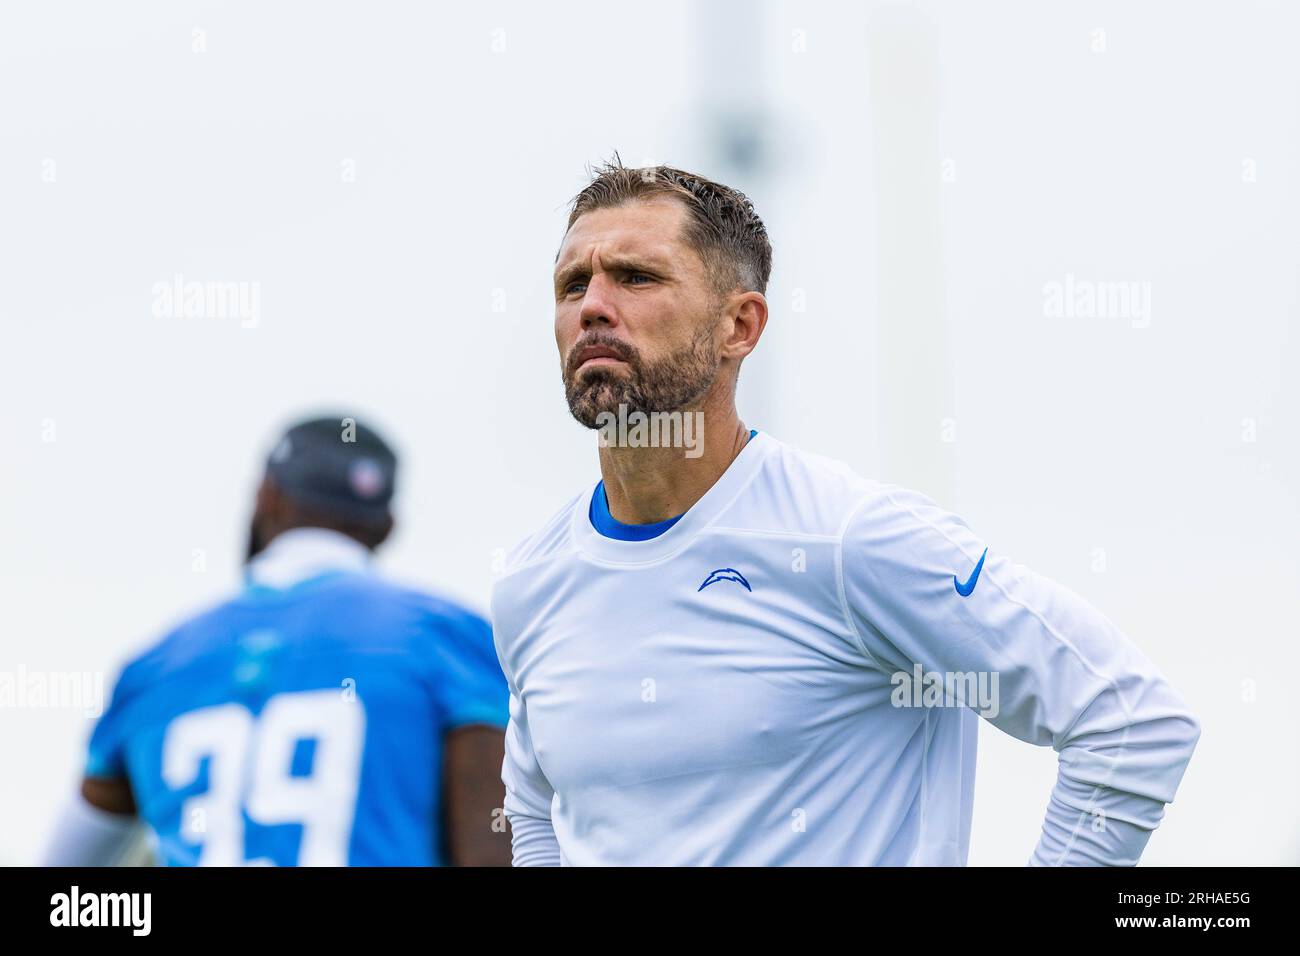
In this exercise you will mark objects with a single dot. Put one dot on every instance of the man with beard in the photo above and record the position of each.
(324, 717)
(754, 656)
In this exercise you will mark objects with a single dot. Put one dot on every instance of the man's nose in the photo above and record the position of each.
(597, 305)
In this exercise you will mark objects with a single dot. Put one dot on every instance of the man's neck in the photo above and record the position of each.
(299, 553)
(647, 485)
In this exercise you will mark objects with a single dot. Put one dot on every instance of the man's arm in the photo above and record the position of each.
(528, 794)
(1066, 675)
(111, 794)
(97, 827)
(472, 797)
(473, 698)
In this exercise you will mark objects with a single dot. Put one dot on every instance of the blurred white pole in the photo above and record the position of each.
(918, 422)
(736, 125)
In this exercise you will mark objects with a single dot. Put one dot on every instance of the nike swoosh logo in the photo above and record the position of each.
(965, 589)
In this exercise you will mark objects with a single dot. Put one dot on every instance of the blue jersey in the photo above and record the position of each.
(301, 726)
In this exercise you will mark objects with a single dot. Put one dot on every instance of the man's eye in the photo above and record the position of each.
(639, 275)
(573, 287)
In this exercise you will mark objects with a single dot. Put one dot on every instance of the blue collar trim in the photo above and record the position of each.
(611, 527)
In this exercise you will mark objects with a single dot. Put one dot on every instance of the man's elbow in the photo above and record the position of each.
(483, 853)
(1190, 737)
(1181, 737)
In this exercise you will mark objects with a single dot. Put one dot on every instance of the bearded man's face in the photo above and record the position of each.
(635, 313)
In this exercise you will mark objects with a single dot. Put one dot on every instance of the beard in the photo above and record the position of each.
(669, 384)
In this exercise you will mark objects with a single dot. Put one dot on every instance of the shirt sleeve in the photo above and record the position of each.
(529, 794)
(472, 689)
(106, 752)
(86, 835)
(1065, 675)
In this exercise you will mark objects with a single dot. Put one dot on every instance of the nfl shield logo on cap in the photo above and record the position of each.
(366, 477)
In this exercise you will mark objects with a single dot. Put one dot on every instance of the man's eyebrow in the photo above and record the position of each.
(613, 263)
(570, 272)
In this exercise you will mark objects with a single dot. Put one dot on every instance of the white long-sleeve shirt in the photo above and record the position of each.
(755, 685)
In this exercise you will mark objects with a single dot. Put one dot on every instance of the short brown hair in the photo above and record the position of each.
(722, 228)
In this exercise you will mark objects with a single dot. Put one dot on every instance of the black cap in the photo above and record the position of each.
(335, 464)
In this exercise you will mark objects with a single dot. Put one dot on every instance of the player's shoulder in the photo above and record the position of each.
(553, 539)
(822, 495)
(523, 581)
(893, 524)
(375, 587)
(798, 491)
(442, 609)
(393, 614)
(179, 645)
(386, 609)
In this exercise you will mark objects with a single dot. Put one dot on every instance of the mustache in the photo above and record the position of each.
(625, 352)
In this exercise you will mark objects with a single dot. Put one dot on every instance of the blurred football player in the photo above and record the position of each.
(323, 717)
(728, 651)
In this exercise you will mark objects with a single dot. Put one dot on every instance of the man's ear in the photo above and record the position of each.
(269, 502)
(270, 510)
(386, 532)
(748, 317)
